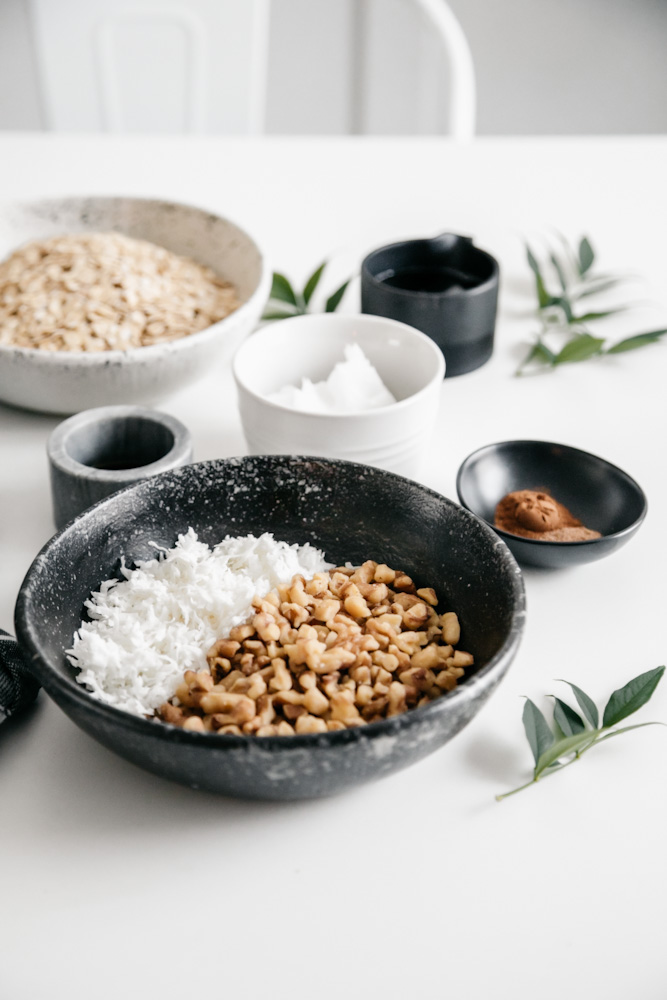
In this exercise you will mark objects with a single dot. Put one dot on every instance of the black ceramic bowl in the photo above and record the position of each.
(601, 495)
(354, 513)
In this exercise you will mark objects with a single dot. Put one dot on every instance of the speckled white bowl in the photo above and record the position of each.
(70, 381)
(394, 437)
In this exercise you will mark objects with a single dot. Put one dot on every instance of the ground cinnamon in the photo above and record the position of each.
(535, 514)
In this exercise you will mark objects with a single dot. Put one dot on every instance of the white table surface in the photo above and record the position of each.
(115, 883)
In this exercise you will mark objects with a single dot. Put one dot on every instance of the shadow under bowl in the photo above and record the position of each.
(393, 520)
(601, 495)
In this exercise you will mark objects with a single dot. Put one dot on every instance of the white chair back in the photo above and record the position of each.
(153, 65)
(461, 93)
(446, 98)
(201, 65)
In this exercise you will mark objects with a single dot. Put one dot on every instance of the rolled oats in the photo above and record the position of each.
(105, 292)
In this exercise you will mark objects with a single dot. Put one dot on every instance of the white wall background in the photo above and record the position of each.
(543, 67)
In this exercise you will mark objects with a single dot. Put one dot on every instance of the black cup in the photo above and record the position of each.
(446, 287)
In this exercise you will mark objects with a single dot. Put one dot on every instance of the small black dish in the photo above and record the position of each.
(601, 495)
(298, 499)
(446, 287)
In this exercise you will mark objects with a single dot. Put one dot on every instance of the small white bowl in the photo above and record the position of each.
(394, 437)
(70, 381)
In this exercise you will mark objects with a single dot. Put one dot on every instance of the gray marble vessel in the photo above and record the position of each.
(99, 451)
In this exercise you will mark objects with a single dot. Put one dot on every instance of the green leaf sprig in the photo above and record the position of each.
(571, 273)
(572, 734)
(285, 301)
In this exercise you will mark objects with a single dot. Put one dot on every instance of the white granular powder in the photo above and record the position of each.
(160, 620)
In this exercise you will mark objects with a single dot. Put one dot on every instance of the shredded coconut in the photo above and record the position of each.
(161, 619)
(353, 385)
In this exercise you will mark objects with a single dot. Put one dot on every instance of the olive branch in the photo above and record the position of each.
(285, 301)
(562, 282)
(571, 734)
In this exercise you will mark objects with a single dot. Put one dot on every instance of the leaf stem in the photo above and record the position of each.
(533, 781)
(506, 795)
(626, 729)
(587, 746)
(576, 755)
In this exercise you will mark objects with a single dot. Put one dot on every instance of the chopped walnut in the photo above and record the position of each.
(344, 649)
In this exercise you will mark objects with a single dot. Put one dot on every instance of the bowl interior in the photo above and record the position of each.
(391, 520)
(119, 443)
(601, 495)
(183, 229)
(310, 346)
(400, 267)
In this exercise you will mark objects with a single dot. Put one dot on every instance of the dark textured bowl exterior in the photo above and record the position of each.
(354, 513)
(601, 495)
(462, 323)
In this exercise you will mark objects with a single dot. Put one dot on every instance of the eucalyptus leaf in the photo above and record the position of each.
(586, 704)
(564, 303)
(278, 315)
(580, 348)
(532, 261)
(558, 732)
(595, 286)
(313, 282)
(568, 721)
(282, 290)
(571, 744)
(632, 343)
(560, 271)
(626, 700)
(544, 299)
(544, 353)
(605, 276)
(334, 300)
(569, 253)
(586, 255)
(538, 734)
(539, 352)
(590, 317)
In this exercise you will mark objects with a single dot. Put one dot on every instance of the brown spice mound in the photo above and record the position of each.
(535, 514)
(343, 649)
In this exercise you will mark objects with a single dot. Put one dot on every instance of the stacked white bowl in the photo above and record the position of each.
(394, 437)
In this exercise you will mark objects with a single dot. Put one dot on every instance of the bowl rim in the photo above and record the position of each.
(59, 455)
(543, 542)
(480, 289)
(365, 319)
(102, 358)
(70, 690)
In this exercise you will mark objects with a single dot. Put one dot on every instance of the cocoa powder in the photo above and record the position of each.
(535, 514)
